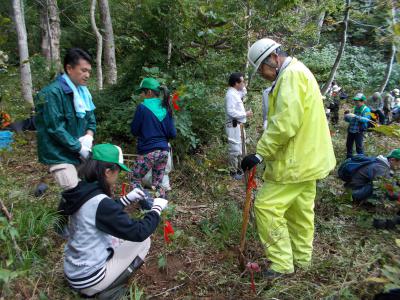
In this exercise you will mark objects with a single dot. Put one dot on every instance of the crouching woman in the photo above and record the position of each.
(94, 262)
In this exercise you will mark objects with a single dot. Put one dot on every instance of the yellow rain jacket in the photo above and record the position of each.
(296, 146)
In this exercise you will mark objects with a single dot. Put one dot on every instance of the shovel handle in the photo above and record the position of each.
(245, 222)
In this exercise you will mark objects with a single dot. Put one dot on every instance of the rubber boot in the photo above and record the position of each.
(118, 289)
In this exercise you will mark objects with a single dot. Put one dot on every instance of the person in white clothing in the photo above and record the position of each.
(235, 115)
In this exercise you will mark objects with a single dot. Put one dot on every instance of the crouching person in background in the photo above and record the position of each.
(94, 263)
(362, 181)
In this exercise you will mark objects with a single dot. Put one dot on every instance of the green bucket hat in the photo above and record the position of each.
(359, 97)
(394, 154)
(109, 153)
(148, 83)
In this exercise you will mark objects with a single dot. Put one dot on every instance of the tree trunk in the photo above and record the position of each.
(50, 27)
(25, 68)
(320, 22)
(169, 55)
(109, 45)
(248, 36)
(341, 49)
(99, 40)
(389, 66)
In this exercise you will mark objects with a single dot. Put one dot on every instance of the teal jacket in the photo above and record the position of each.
(58, 128)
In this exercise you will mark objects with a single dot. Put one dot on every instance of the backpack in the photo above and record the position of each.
(351, 165)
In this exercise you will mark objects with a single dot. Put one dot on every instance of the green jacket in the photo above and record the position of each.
(58, 128)
(296, 146)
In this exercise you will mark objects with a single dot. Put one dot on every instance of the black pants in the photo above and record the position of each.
(358, 139)
(334, 117)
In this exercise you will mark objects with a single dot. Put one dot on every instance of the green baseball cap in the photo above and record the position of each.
(148, 83)
(109, 153)
(394, 154)
(359, 97)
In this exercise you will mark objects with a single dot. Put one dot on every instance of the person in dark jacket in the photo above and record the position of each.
(65, 120)
(153, 126)
(361, 182)
(104, 244)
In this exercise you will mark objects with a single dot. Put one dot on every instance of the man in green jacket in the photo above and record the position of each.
(65, 120)
(297, 150)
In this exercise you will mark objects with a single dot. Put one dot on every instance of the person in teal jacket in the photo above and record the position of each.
(297, 150)
(65, 120)
(358, 123)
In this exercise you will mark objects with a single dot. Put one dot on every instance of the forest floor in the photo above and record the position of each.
(351, 259)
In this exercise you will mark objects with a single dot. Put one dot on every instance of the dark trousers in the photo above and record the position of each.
(358, 139)
(334, 117)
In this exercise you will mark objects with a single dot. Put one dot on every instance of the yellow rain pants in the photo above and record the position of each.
(285, 223)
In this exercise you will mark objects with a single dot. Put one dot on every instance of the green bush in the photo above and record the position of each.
(200, 117)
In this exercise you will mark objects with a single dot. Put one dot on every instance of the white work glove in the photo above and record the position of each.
(84, 152)
(133, 196)
(350, 115)
(159, 205)
(86, 140)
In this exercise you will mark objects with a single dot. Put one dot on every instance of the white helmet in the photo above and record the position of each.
(396, 92)
(260, 50)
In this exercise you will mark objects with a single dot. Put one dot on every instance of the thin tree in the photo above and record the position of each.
(99, 40)
(320, 22)
(24, 66)
(110, 64)
(341, 48)
(51, 32)
(248, 36)
(389, 66)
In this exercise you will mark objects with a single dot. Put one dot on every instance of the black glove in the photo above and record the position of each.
(250, 161)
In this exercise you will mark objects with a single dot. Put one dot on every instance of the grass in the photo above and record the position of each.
(351, 260)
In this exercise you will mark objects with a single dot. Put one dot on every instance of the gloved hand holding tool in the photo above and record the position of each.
(251, 161)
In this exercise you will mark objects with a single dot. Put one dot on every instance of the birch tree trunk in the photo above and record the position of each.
(248, 35)
(169, 53)
(389, 66)
(50, 28)
(320, 22)
(341, 49)
(99, 40)
(110, 64)
(24, 66)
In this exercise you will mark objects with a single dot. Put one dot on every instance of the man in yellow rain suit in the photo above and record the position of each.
(297, 150)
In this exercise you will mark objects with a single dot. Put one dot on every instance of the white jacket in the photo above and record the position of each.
(234, 107)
